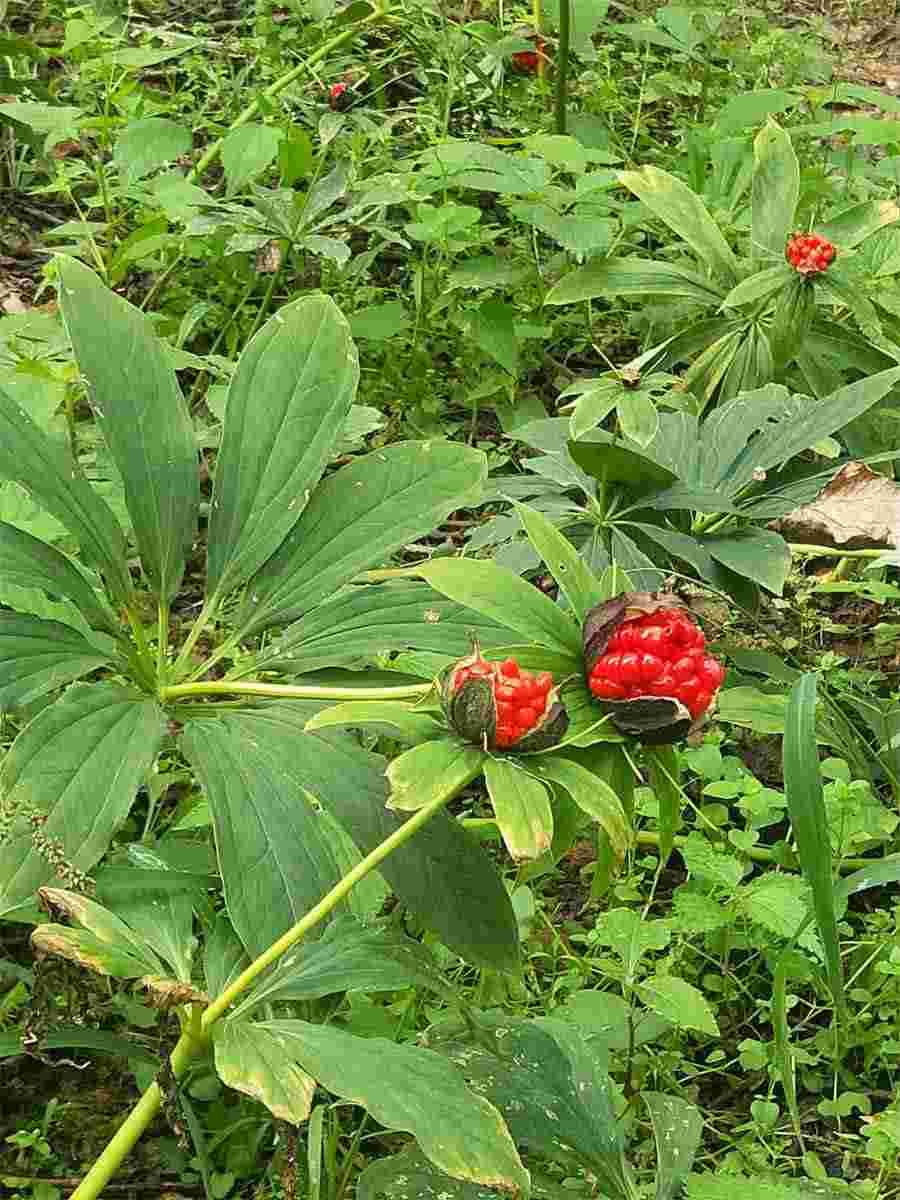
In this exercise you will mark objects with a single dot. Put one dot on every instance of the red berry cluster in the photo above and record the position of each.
(528, 61)
(809, 253)
(337, 96)
(658, 654)
(522, 699)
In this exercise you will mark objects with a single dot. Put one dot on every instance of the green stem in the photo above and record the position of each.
(162, 639)
(143, 658)
(562, 65)
(832, 552)
(281, 691)
(206, 612)
(190, 1043)
(276, 88)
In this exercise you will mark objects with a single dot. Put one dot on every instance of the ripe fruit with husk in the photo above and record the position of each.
(501, 706)
(646, 662)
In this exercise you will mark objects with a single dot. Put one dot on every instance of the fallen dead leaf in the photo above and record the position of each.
(857, 510)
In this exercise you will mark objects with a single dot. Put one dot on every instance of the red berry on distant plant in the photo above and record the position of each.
(501, 706)
(658, 690)
(338, 95)
(810, 253)
(528, 61)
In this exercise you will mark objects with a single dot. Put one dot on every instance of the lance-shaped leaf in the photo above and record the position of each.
(686, 215)
(37, 657)
(522, 808)
(410, 1176)
(79, 764)
(776, 190)
(30, 458)
(414, 1090)
(402, 721)
(275, 861)
(677, 1129)
(633, 277)
(442, 874)
(580, 587)
(287, 404)
(251, 1059)
(357, 518)
(143, 417)
(592, 795)
(28, 562)
(104, 943)
(506, 597)
(434, 769)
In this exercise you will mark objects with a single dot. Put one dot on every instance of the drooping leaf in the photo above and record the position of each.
(776, 190)
(28, 562)
(410, 1176)
(633, 277)
(677, 1129)
(143, 417)
(224, 956)
(522, 808)
(76, 1037)
(357, 518)
(403, 721)
(37, 657)
(803, 789)
(31, 458)
(86, 950)
(414, 1090)
(79, 763)
(441, 874)
(580, 587)
(274, 860)
(507, 598)
(433, 769)
(252, 1060)
(162, 917)
(592, 795)
(757, 554)
(287, 404)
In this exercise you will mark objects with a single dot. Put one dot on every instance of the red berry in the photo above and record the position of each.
(510, 668)
(810, 253)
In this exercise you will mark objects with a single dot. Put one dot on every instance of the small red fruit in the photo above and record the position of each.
(527, 62)
(657, 690)
(338, 97)
(500, 706)
(810, 253)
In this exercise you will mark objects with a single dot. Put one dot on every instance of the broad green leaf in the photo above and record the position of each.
(579, 586)
(357, 518)
(853, 225)
(246, 152)
(677, 1130)
(441, 874)
(80, 763)
(148, 143)
(603, 1018)
(372, 620)
(679, 1002)
(350, 957)
(726, 1185)
(507, 598)
(434, 769)
(252, 1060)
(68, 1037)
(633, 277)
(493, 330)
(684, 212)
(37, 657)
(224, 957)
(638, 416)
(630, 937)
(678, 545)
(414, 1090)
(410, 1176)
(29, 457)
(714, 866)
(143, 417)
(752, 708)
(776, 190)
(28, 562)
(522, 808)
(84, 948)
(592, 794)
(592, 408)
(400, 720)
(556, 1097)
(614, 463)
(760, 286)
(274, 860)
(757, 554)
(102, 923)
(287, 404)
(162, 917)
(780, 904)
(803, 788)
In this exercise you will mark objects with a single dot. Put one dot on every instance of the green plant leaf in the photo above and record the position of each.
(663, 771)
(84, 948)
(29, 457)
(579, 586)
(686, 215)
(760, 286)
(410, 1176)
(757, 554)
(677, 1130)
(148, 143)
(357, 518)
(143, 417)
(69, 1037)
(287, 404)
(803, 788)
(433, 769)
(252, 1060)
(633, 277)
(224, 957)
(507, 598)
(591, 794)
(103, 924)
(37, 657)
(247, 151)
(80, 763)
(441, 873)
(775, 192)
(853, 225)
(679, 1002)
(521, 807)
(274, 860)
(28, 562)
(163, 917)
(412, 726)
(415, 1090)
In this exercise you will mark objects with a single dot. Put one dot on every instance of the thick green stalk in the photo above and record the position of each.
(284, 81)
(284, 691)
(562, 65)
(190, 1043)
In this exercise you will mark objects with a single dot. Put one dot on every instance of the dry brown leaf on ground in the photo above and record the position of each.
(856, 510)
